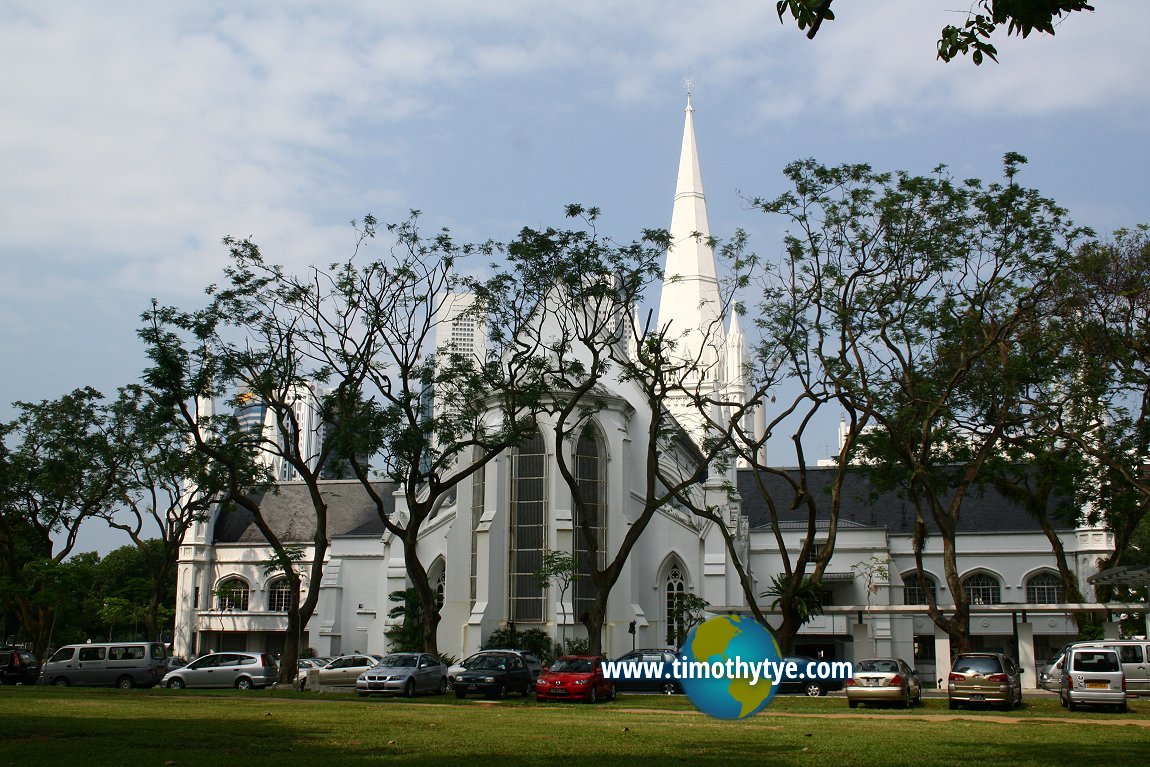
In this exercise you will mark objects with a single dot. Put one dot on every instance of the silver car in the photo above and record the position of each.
(340, 672)
(405, 673)
(1093, 676)
(242, 670)
(884, 680)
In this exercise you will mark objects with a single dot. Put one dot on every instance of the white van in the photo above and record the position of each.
(1093, 676)
(113, 664)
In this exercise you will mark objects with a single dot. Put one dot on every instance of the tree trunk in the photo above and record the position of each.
(428, 609)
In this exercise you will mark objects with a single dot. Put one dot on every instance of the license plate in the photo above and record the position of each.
(472, 687)
(873, 682)
(1098, 685)
(978, 697)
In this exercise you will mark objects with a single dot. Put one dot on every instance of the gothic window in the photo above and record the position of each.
(590, 476)
(477, 490)
(528, 529)
(1045, 588)
(982, 589)
(676, 589)
(439, 584)
(914, 589)
(279, 596)
(232, 594)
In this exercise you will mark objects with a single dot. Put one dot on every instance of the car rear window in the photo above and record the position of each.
(1096, 661)
(978, 664)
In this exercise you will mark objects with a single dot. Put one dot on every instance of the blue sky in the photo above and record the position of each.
(135, 135)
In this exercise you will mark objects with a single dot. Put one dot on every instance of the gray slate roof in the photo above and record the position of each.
(984, 510)
(289, 512)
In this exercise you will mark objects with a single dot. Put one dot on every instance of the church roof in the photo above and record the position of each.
(289, 512)
(984, 510)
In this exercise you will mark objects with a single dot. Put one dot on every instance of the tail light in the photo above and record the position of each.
(267, 661)
(956, 677)
(998, 678)
(851, 682)
(895, 681)
(1123, 683)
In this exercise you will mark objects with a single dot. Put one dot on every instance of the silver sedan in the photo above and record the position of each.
(404, 673)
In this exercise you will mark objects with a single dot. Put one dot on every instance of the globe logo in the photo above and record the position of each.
(724, 641)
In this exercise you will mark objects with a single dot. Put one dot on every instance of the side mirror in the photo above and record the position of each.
(914, 672)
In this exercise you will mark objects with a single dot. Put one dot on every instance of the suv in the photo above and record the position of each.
(983, 677)
(1093, 675)
(18, 666)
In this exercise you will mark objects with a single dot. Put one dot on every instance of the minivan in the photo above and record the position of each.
(112, 664)
(1093, 675)
(1134, 654)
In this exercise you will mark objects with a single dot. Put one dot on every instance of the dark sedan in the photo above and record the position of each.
(495, 674)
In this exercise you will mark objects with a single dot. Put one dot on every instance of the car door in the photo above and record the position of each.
(92, 666)
(201, 671)
(430, 671)
(1134, 659)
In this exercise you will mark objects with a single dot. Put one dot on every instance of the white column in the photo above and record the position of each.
(1026, 655)
(941, 657)
(860, 633)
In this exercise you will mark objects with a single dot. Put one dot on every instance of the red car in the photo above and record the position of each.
(575, 677)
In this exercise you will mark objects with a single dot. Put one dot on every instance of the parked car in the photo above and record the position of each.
(984, 678)
(662, 681)
(802, 684)
(18, 666)
(1050, 675)
(1093, 676)
(242, 670)
(884, 680)
(1134, 654)
(176, 662)
(575, 677)
(407, 673)
(534, 665)
(342, 671)
(494, 673)
(107, 664)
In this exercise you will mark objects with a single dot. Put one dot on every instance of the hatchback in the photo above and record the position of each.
(984, 678)
(575, 677)
(18, 666)
(242, 670)
(883, 680)
(1093, 676)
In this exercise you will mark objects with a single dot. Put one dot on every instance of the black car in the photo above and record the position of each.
(494, 674)
(18, 666)
(803, 685)
(663, 681)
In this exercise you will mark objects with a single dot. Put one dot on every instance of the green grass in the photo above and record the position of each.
(48, 726)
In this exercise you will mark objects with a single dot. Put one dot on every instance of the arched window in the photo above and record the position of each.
(437, 576)
(279, 596)
(232, 594)
(982, 589)
(676, 589)
(590, 516)
(528, 533)
(1045, 588)
(478, 487)
(914, 589)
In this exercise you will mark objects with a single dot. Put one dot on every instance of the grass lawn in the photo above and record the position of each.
(51, 726)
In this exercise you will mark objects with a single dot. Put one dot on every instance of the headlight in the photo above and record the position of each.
(488, 679)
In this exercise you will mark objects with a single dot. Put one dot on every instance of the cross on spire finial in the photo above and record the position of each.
(688, 83)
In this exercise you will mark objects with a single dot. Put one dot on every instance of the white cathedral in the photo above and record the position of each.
(483, 545)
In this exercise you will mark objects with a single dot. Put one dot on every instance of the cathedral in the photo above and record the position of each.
(484, 544)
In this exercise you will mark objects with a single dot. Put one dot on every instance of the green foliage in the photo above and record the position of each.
(532, 640)
(806, 598)
(405, 636)
(575, 646)
(687, 613)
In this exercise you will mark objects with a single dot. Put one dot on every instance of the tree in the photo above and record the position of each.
(559, 568)
(874, 572)
(1020, 17)
(57, 469)
(943, 285)
(688, 612)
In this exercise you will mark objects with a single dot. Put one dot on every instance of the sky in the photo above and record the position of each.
(134, 136)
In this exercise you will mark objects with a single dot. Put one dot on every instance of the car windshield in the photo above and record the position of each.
(489, 663)
(878, 666)
(573, 666)
(397, 661)
(978, 665)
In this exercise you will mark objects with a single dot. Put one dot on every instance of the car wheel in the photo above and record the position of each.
(1071, 705)
(612, 695)
(500, 692)
(176, 684)
(905, 699)
(918, 698)
(61, 682)
(243, 683)
(460, 694)
(952, 705)
(443, 686)
(669, 688)
(1122, 707)
(852, 703)
(814, 690)
(125, 683)
(409, 689)
(592, 697)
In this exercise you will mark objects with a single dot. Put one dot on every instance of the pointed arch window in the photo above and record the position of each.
(982, 589)
(915, 589)
(675, 590)
(528, 529)
(478, 488)
(439, 585)
(590, 516)
(232, 594)
(1045, 588)
(279, 596)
